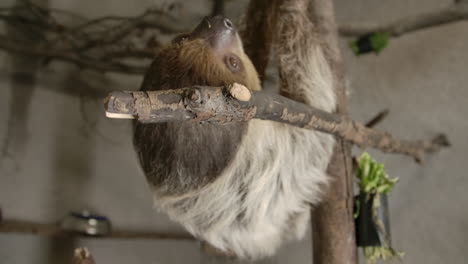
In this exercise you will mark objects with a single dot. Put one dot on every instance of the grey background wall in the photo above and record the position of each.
(59, 153)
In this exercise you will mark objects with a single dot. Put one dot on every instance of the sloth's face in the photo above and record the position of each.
(216, 42)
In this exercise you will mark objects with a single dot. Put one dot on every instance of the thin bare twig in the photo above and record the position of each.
(68, 56)
(378, 118)
(454, 13)
(103, 44)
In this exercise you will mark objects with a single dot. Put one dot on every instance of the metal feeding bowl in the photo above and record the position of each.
(86, 223)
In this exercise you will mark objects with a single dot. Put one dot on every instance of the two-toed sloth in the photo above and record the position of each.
(244, 187)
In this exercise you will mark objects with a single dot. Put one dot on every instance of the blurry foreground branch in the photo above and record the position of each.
(237, 103)
(54, 230)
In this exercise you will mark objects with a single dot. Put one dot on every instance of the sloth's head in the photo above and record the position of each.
(212, 54)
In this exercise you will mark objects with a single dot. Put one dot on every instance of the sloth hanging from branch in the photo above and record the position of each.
(244, 187)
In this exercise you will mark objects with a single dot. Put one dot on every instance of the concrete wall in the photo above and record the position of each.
(422, 79)
(59, 153)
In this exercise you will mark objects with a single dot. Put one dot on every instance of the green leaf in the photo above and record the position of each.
(372, 176)
(379, 41)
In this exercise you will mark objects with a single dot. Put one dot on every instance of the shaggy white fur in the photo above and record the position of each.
(281, 170)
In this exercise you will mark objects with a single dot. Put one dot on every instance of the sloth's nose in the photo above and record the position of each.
(217, 29)
(228, 23)
(220, 23)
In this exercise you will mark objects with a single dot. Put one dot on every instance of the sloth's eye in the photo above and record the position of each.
(232, 62)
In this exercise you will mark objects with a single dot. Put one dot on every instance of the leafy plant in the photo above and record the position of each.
(372, 177)
(373, 182)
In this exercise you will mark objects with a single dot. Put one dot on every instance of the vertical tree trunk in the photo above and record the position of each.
(333, 224)
(258, 33)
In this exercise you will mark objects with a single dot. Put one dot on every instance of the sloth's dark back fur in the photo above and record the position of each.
(183, 156)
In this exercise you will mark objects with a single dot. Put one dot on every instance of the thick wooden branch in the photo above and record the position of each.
(218, 7)
(454, 13)
(333, 230)
(237, 103)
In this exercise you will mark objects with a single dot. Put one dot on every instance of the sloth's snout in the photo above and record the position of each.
(215, 25)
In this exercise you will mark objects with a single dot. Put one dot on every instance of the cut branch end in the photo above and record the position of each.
(240, 92)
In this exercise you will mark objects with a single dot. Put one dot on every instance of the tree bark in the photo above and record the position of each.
(258, 33)
(333, 229)
(237, 103)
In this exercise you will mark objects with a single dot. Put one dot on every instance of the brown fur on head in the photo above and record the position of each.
(170, 153)
(210, 55)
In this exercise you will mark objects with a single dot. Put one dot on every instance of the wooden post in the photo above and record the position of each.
(333, 224)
